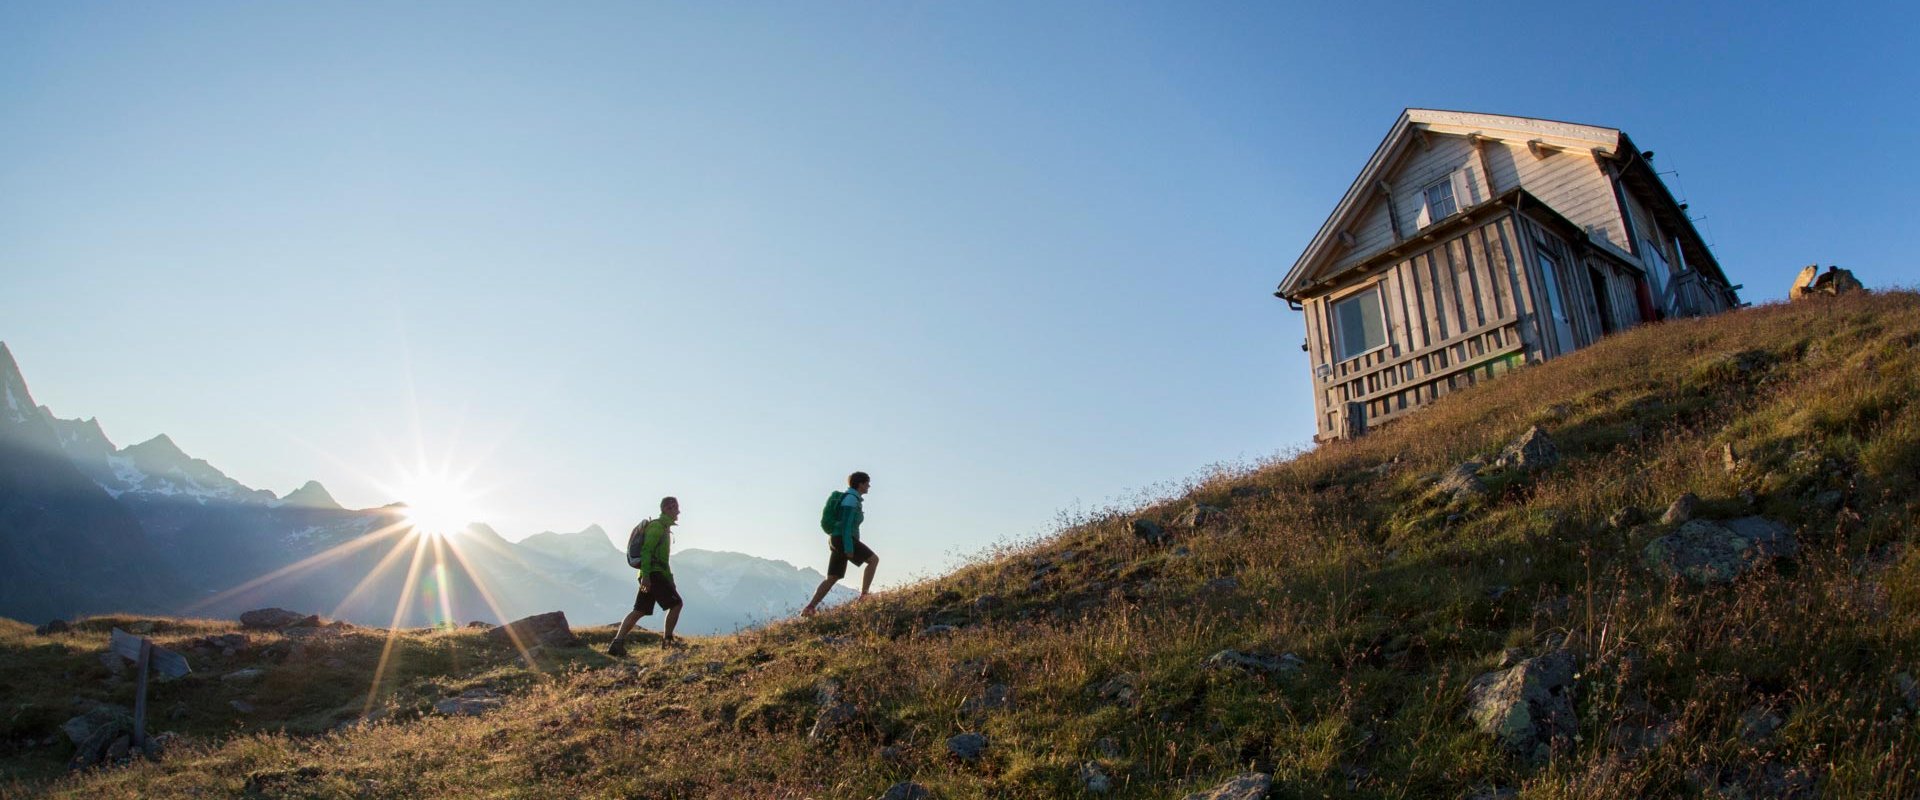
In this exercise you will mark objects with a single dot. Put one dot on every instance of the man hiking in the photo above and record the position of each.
(841, 520)
(656, 579)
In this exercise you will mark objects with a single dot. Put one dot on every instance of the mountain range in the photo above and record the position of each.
(90, 527)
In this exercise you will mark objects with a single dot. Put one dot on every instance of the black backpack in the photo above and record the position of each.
(634, 540)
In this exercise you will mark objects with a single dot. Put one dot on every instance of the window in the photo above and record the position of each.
(1439, 199)
(1359, 324)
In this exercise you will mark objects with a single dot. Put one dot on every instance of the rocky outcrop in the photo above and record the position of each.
(1533, 450)
(1528, 707)
(1247, 786)
(470, 703)
(1149, 531)
(1680, 510)
(1255, 663)
(1462, 483)
(549, 629)
(1712, 552)
(967, 746)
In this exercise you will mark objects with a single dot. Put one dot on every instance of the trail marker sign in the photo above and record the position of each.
(144, 653)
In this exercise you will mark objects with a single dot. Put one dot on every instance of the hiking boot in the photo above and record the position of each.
(618, 649)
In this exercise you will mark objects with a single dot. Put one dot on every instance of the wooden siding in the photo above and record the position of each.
(1418, 168)
(1456, 312)
(1571, 182)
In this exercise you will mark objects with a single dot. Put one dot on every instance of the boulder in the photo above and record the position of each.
(53, 627)
(906, 790)
(831, 720)
(269, 618)
(537, 629)
(1710, 552)
(1246, 786)
(1121, 690)
(1261, 663)
(1528, 707)
(81, 728)
(1149, 531)
(1199, 515)
(1095, 779)
(1462, 482)
(967, 746)
(101, 743)
(1680, 510)
(1533, 450)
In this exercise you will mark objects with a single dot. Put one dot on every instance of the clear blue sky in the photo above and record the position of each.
(1009, 257)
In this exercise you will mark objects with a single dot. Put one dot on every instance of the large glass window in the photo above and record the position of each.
(1359, 324)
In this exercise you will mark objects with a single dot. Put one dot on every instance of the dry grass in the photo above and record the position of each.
(1393, 599)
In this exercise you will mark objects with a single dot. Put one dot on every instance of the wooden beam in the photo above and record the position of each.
(1540, 148)
(170, 664)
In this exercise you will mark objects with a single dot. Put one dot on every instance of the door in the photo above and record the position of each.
(1560, 327)
(1602, 300)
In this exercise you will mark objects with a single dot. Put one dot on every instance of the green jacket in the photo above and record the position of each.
(847, 535)
(655, 544)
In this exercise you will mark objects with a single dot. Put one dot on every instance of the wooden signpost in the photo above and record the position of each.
(144, 653)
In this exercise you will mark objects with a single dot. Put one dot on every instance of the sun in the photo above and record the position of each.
(438, 505)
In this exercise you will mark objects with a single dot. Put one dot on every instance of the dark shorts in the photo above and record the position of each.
(837, 566)
(661, 591)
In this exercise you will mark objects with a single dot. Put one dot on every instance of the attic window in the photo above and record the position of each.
(1359, 324)
(1439, 199)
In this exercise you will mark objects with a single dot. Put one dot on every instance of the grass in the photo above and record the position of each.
(1393, 598)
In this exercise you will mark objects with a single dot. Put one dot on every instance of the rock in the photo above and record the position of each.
(309, 621)
(242, 675)
(1462, 482)
(1758, 723)
(1200, 515)
(1625, 517)
(967, 746)
(1813, 283)
(1095, 779)
(54, 626)
(1247, 786)
(1149, 531)
(537, 629)
(1121, 690)
(1680, 510)
(1528, 707)
(1709, 552)
(1830, 500)
(996, 697)
(269, 618)
(906, 790)
(932, 631)
(120, 747)
(1511, 656)
(1909, 690)
(1533, 451)
(478, 625)
(1261, 663)
(471, 703)
(831, 720)
(100, 740)
(1108, 747)
(241, 706)
(1729, 457)
(81, 728)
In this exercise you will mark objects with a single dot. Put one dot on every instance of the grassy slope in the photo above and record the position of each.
(1392, 600)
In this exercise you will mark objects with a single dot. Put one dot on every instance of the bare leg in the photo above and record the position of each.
(866, 581)
(818, 595)
(633, 618)
(673, 618)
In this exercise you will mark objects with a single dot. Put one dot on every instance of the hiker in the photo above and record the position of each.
(841, 520)
(653, 540)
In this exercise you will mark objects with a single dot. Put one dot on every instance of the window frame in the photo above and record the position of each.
(1453, 197)
(1378, 289)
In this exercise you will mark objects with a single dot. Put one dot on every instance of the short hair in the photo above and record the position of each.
(668, 501)
(858, 478)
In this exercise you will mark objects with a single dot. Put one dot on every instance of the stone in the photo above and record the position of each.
(558, 637)
(1729, 457)
(1625, 517)
(1095, 779)
(243, 675)
(1680, 510)
(470, 703)
(81, 728)
(269, 618)
(119, 749)
(477, 625)
(967, 746)
(1709, 552)
(1200, 515)
(1108, 747)
(1528, 707)
(535, 629)
(1909, 690)
(1121, 690)
(1462, 482)
(99, 741)
(832, 720)
(906, 790)
(1830, 500)
(1758, 723)
(1534, 450)
(995, 698)
(1246, 786)
(1149, 531)
(1261, 663)
(54, 626)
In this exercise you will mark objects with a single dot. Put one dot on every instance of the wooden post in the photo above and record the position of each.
(140, 695)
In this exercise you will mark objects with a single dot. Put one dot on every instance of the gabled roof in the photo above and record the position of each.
(1414, 121)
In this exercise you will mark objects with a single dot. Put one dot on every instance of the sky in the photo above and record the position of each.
(1016, 260)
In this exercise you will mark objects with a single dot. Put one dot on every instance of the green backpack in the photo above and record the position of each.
(830, 516)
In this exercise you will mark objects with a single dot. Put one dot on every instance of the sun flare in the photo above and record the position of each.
(437, 504)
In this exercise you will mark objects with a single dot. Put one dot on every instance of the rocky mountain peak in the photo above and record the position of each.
(311, 495)
(16, 403)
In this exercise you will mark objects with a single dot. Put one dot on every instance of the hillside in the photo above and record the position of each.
(1344, 623)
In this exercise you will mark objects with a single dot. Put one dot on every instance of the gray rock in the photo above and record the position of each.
(1909, 690)
(1680, 510)
(1709, 552)
(1108, 747)
(243, 675)
(1261, 663)
(967, 746)
(1247, 786)
(832, 720)
(469, 704)
(1533, 451)
(1528, 707)
(1149, 531)
(1758, 723)
(99, 741)
(53, 627)
(1121, 690)
(997, 696)
(1830, 500)
(1462, 482)
(549, 629)
(906, 790)
(1095, 779)
(1200, 515)
(81, 728)
(269, 618)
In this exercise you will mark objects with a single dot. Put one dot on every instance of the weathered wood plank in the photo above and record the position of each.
(169, 664)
